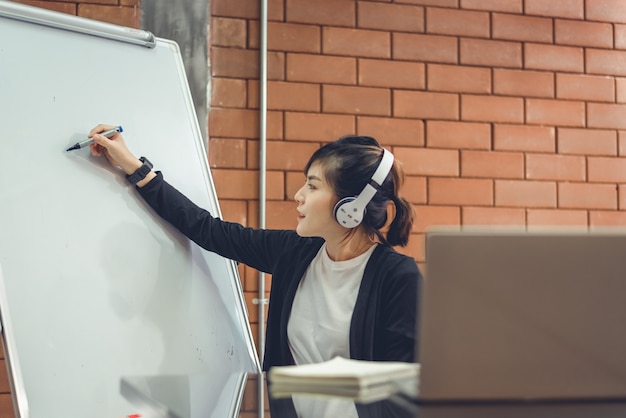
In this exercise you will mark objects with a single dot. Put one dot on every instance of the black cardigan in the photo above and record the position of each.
(384, 321)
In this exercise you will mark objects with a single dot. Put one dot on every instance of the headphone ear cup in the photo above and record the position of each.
(347, 213)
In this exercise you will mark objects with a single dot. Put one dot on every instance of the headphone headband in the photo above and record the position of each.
(384, 168)
(349, 211)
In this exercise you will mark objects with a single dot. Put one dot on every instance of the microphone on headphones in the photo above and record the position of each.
(349, 211)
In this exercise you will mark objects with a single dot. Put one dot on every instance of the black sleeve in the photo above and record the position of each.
(259, 249)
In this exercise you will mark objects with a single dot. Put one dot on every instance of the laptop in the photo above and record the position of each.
(517, 315)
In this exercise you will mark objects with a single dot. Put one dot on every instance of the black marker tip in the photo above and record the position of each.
(73, 147)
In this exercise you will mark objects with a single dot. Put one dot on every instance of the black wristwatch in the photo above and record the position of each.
(141, 172)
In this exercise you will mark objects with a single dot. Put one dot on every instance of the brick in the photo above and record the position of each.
(414, 248)
(228, 92)
(620, 36)
(317, 127)
(458, 79)
(607, 62)
(522, 28)
(428, 48)
(523, 83)
(6, 404)
(392, 17)
(425, 105)
(294, 180)
(605, 218)
(321, 12)
(281, 215)
(287, 96)
(244, 184)
(457, 22)
(555, 167)
(585, 87)
(227, 153)
(235, 8)
(492, 109)
(620, 89)
(459, 191)
(123, 16)
(288, 37)
(525, 193)
(606, 10)
(553, 58)
(458, 135)
(587, 196)
(321, 69)
(242, 63)
(587, 141)
(604, 115)
(356, 42)
(438, 3)
(414, 190)
(524, 138)
(556, 217)
(385, 73)
(289, 155)
(428, 162)
(593, 34)
(356, 100)
(67, 8)
(491, 53)
(492, 164)
(234, 211)
(427, 217)
(570, 9)
(233, 123)
(621, 145)
(237, 63)
(607, 169)
(492, 216)
(392, 131)
(622, 196)
(228, 32)
(509, 6)
(555, 112)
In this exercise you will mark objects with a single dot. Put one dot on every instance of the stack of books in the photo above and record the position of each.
(360, 380)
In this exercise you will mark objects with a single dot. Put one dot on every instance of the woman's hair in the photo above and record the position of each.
(348, 165)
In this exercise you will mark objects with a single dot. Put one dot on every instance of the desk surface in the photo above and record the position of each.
(181, 397)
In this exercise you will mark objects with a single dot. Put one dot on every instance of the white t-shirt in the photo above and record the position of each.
(319, 325)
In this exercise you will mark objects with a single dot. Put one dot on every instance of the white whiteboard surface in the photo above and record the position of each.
(96, 286)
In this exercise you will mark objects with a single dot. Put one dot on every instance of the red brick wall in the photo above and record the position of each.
(119, 12)
(506, 112)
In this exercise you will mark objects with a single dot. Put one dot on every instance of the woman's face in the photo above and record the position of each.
(316, 201)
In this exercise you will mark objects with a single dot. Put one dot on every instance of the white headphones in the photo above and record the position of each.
(349, 211)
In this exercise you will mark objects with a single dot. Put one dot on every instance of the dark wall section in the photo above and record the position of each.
(184, 21)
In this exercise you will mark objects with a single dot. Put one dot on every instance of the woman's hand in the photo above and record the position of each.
(114, 149)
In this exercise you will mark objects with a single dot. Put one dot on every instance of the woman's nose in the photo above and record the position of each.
(298, 196)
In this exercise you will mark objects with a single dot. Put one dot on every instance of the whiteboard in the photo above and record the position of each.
(97, 288)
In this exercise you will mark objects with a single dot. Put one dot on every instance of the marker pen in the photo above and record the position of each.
(88, 141)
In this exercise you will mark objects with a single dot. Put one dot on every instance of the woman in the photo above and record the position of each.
(336, 289)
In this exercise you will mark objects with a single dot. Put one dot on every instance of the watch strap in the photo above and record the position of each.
(141, 172)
